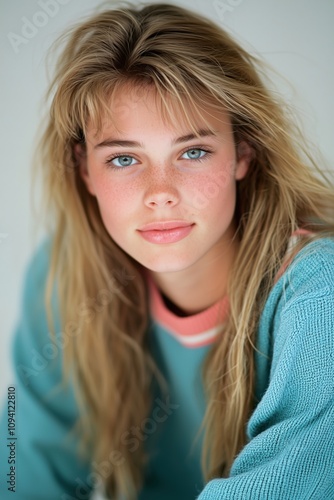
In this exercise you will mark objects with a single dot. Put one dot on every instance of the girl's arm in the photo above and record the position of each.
(46, 463)
(290, 453)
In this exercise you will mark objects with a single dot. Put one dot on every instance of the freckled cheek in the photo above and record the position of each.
(116, 202)
(210, 191)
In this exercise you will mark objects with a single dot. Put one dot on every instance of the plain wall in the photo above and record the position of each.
(295, 36)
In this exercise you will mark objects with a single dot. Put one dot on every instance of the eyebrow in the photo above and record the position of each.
(134, 144)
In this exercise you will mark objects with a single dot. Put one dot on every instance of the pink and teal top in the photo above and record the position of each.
(290, 449)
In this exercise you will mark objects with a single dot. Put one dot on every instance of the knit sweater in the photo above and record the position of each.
(290, 449)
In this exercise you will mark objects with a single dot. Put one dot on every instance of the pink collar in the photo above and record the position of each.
(196, 330)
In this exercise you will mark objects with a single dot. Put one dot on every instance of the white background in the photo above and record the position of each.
(295, 36)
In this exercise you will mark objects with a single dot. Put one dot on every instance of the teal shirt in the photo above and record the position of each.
(290, 449)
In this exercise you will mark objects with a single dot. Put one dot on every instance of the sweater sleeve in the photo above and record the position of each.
(290, 448)
(45, 461)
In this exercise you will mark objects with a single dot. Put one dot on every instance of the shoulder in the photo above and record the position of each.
(306, 289)
(308, 281)
(33, 311)
(304, 318)
(313, 264)
(33, 347)
(310, 274)
(298, 317)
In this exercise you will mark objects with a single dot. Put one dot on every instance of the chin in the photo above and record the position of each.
(168, 265)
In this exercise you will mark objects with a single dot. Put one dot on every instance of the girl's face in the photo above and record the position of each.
(144, 171)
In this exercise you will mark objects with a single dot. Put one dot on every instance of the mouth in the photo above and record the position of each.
(166, 231)
(165, 225)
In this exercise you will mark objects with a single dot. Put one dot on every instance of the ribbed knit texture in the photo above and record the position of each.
(290, 453)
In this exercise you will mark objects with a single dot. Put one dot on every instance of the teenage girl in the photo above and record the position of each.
(177, 330)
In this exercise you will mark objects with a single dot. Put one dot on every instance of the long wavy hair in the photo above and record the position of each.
(189, 61)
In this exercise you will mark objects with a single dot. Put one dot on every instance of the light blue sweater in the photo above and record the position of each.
(290, 453)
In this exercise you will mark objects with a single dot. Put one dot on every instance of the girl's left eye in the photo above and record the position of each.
(195, 153)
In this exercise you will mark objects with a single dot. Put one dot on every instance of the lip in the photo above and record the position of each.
(166, 232)
(163, 225)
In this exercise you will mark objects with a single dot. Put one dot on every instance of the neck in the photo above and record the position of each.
(201, 285)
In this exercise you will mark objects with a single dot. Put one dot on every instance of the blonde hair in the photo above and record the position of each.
(188, 60)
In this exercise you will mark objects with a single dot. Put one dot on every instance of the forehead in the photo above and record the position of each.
(126, 103)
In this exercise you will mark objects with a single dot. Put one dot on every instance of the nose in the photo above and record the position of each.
(161, 192)
(160, 199)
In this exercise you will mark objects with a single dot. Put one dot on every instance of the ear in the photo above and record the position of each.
(80, 155)
(245, 154)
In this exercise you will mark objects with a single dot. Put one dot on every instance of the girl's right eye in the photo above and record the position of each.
(123, 162)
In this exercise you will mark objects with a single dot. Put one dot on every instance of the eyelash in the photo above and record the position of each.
(201, 159)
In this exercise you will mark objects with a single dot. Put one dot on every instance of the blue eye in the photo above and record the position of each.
(195, 153)
(124, 161)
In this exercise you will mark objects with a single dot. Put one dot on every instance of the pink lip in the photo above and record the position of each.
(166, 232)
(162, 225)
